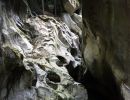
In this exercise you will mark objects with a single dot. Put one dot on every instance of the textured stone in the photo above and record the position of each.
(71, 5)
(71, 24)
(77, 19)
(34, 54)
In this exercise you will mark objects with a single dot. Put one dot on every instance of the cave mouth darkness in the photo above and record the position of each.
(77, 37)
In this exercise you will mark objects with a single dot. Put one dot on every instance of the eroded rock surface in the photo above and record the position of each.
(71, 5)
(34, 53)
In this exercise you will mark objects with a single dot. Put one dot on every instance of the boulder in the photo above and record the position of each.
(71, 5)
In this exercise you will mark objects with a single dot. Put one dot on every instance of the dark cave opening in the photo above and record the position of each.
(103, 89)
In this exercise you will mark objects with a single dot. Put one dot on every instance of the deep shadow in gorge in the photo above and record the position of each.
(105, 88)
(109, 64)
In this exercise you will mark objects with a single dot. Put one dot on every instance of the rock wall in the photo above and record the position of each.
(106, 39)
(44, 55)
(38, 52)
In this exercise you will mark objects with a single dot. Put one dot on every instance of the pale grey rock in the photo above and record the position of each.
(35, 52)
(77, 19)
(126, 91)
(71, 5)
(72, 24)
(50, 47)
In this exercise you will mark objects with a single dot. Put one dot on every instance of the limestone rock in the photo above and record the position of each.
(71, 5)
(77, 19)
(71, 24)
(34, 53)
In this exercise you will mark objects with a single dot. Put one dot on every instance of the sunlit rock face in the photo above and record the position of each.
(34, 54)
(106, 39)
